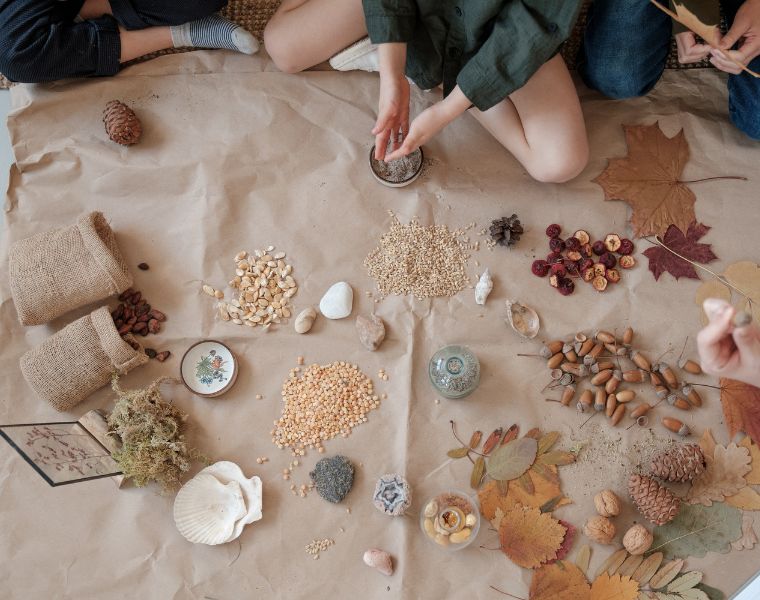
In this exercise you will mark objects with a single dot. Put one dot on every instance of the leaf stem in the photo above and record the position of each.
(739, 177)
(658, 242)
(453, 431)
(505, 593)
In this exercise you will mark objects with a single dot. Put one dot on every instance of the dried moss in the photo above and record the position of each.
(151, 432)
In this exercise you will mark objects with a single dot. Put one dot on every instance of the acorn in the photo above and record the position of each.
(691, 395)
(628, 336)
(605, 337)
(586, 347)
(600, 401)
(602, 366)
(602, 377)
(555, 360)
(589, 360)
(566, 379)
(742, 319)
(676, 400)
(661, 391)
(690, 366)
(569, 353)
(613, 382)
(575, 369)
(549, 349)
(618, 415)
(656, 379)
(625, 396)
(611, 405)
(567, 395)
(634, 376)
(665, 370)
(596, 350)
(641, 361)
(586, 401)
(641, 410)
(676, 426)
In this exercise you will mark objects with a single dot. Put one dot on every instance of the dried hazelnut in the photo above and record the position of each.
(600, 530)
(607, 503)
(637, 540)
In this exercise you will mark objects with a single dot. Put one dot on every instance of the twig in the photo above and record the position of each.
(453, 431)
(686, 341)
(505, 593)
(240, 549)
(739, 177)
(658, 242)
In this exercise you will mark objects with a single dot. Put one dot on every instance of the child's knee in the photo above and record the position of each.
(280, 46)
(559, 166)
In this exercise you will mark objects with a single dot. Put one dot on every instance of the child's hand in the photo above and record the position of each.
(392, 114)
(726, 350)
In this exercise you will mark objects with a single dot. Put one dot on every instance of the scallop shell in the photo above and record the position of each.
(227, 472)
(523, 319)
(206, 510)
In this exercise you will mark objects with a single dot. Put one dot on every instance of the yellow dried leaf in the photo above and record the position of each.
(583, 558)
(648, 568)
(707, 443)
(613, 562)
(746, 499)
(724, 475)
(753, 477)
(746, 276)
(529, 537)
(630, 565)
(615, 587)
(559, 581)
(711, 289)
(491, 498)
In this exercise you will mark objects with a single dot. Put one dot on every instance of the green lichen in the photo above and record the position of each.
(151, 432)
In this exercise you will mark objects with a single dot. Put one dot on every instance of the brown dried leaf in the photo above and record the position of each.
(458, 452)
(723, 476)
(511, 434)
(557, 457)
(741, 408)
(630, 565)
(648, 568)
(649, 179)
(559, 581)
(749, 538)
(547, 441)
(529, 537)
(491, 498)
(686, 244)
(583, 558)
(613, 562)
(666, 574)
(615, 587)
(492, 441)
(526, 482)
(478, 470)
(550, 505)
(475, 439)
(746, 499)
(534, 433)
(546, 472)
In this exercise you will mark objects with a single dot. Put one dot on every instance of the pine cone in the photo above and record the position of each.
(122, 124)
(656, 503)
(681, 463)
(506, 231)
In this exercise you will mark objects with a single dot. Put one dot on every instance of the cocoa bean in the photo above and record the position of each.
(151, 352)
(162, 356)
(132, 320)
(154, 326)
(157, 315)
(118, 313)
(143, 266)
(143, 318)
(118, 323)
(136, 297)
(140, 328)
(128, 313)
(142, 309)
(125, 329)
(126, 293)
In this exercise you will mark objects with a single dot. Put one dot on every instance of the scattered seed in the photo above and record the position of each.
(143, 266)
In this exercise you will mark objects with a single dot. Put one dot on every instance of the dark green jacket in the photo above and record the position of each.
(490, 48)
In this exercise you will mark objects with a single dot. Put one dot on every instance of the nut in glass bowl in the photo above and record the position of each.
(451, 520)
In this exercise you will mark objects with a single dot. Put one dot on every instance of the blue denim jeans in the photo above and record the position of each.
(626, 46)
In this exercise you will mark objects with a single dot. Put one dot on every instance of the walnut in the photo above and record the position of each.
(637, 540)
(600, 530)
(607, 503)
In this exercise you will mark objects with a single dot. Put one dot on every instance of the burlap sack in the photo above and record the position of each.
(78, 360)
(62, 269)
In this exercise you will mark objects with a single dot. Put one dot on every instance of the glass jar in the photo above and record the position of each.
(454, 371)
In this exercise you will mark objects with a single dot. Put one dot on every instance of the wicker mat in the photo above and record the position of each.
(254, 14)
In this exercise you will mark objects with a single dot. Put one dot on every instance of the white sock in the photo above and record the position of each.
(214, 32)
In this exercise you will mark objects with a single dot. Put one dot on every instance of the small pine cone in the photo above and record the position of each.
(681, 463)
(506, 231)
(122, 124)
(656, 503)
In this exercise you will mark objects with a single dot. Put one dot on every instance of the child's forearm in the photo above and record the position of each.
(392, 59)
(455, 104)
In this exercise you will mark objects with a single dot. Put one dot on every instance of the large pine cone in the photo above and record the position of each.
(656, 503)
(122, 124)
(680, 463)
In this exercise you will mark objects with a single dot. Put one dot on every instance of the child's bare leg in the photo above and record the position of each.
(304, 33)
(143, 41)
(542, 124)
(92, 9)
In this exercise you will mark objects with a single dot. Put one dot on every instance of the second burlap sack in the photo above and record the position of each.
(78, 360)
(57, 271)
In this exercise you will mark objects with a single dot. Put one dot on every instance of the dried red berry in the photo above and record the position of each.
(599, 283)
(540, 268)
(608, 260)
(582, 236)
(599, 248)
(586, 250)
(586, 263)
(574, 255)
(554, 281)
(588, 274)
(572, 243)
(612, 242)
(559, 269)
(566, 287)
(553, 230)
(626, 247)
(556, 245)
(627, 262)
(553, 257)
(613, 275)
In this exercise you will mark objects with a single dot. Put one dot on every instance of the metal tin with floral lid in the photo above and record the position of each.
(209, 368)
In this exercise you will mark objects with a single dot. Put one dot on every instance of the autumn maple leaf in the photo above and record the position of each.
(662, 260)
(649, 179)
(741, 408)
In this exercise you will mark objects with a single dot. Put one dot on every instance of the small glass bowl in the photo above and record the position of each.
(444, 518)
(454, 371)
(395, 184)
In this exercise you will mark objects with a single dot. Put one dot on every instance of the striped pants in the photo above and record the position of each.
(41, 41)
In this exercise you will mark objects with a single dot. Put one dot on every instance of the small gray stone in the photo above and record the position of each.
(371, 331)
(393, 495)
(333, 478)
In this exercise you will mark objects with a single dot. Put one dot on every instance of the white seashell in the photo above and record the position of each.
(523, 319)
(380, 560)
(206, 510)
(227, 472)
(338, 301)
(483, 288)
(305, 320)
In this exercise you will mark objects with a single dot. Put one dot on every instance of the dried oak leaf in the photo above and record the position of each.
(615, 587)
(529, 537)
(749, 538)
(741, 408)
(748, 498)
(753, 477)
(649, 179)
(661, 260)
(544, 491)
(723, 476)
(559, 581)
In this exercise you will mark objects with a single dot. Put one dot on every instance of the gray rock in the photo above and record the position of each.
(333, 478)
(371, 331)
